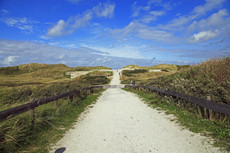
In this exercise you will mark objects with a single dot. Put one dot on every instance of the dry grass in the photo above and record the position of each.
(151, 75)
(163, 66)
(98, 73)
(132, 67)
(159, 66)
(144, 77)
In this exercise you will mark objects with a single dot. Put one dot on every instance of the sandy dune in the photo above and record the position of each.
(121, 123)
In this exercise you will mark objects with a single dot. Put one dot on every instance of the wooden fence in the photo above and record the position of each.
(207, 104)
(6, 114)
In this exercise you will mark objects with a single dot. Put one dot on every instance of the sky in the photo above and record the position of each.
(113, 33)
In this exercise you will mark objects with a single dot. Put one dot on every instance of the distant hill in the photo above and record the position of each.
(32, 67)
(132, 67)
(159, 66)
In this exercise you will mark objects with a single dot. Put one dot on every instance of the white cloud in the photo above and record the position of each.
(178, 23)
(136, 10)
(208, 6)
(157, 35)
(3, 11)
(152, 16)
(70, 46)
(58, 29)
(216, 20)
(22, 52)
(9, 60)
(165, 5)
(144, 32)
(44, 37)
(21, 23)
(73, 23)
(121, 51)
(204, 36)
(80, 21)
(104, 10)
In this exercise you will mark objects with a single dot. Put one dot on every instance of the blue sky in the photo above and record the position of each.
(113, 33)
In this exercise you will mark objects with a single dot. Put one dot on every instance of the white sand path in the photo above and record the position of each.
(120, 122)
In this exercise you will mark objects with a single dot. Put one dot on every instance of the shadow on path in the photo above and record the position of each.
(60, 150)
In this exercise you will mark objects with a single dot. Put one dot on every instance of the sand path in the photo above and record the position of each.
(120, 122)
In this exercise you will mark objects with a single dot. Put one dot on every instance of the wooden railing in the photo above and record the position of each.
(206, 103)
(6, 114)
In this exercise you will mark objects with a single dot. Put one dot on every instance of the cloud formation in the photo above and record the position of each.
(20, 23)
(203, 36)
(105, 10)
(9, 60)
(23, 52)
(184, 28)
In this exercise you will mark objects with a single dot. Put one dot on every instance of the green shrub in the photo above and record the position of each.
(165, 70)
(131, 73)
(9, 70)
(95, 80)
(17, 95)
(210, 78)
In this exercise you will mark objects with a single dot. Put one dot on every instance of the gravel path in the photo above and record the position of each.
(121, 123)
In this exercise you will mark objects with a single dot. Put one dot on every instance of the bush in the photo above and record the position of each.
(131, 73)
(17, 95)
(208, 78)
(96, 80)
(9, 70)
(165, 70)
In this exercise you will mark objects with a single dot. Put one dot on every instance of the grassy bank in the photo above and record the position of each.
(209, 78)
(218, 130)
(19, 135)
(140, 75)
(19, 84)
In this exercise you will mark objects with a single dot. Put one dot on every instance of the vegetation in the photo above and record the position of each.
(20, 83)
(132, 67)
(84, 68)
(163, 66)
(144, 73)
(159, 66)
(101, 73)
(138, 77)
(179, 67)
(210, 78)
(132, 72)
(23, 134)
(218, 129)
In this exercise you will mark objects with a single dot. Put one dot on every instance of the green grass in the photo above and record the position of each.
(18, 135)
(210, 78)
(218, 130)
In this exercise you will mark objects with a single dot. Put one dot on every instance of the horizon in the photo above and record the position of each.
(89, 66)
(113, 33)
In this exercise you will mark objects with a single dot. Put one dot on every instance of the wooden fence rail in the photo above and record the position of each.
(6, 114)
(217, 107)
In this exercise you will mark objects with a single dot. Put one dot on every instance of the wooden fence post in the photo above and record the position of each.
(56, 101)
(68, 96)
(32, 110)
(210, 112)
(32, 115)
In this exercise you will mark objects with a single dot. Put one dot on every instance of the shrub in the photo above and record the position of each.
(9, 70)
(17, 95)
(208, 78)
